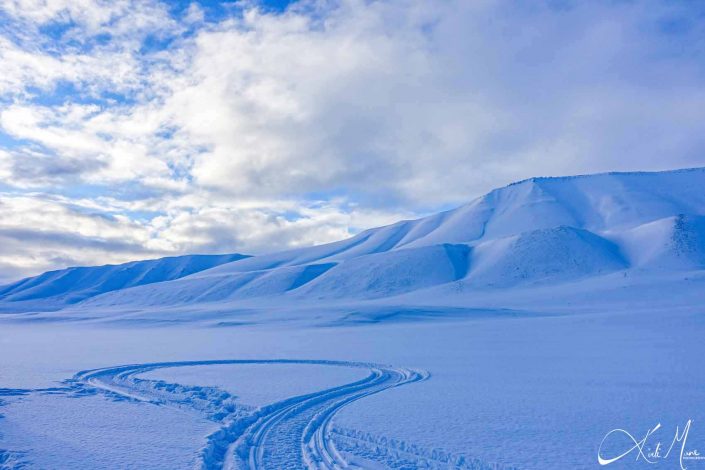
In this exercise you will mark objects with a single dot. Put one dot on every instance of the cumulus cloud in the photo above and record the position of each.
(39, 233)
(430, 103)
(142, 129)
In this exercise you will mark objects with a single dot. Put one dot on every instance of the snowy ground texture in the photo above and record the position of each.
(514, 332)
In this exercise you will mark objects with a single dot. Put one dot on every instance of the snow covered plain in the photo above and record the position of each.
(515, 331)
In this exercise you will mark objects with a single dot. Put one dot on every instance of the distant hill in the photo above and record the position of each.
(72, 285)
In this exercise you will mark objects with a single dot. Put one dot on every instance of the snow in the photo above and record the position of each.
(561, 253)
(49, 432)
(55, 289)
(516, 330)
(537, 392)
(389, 273)
(256, 385)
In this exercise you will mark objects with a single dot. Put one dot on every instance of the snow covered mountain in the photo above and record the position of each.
(537, 232)
(72, 285)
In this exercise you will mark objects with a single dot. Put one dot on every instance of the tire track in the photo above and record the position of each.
(293, 433)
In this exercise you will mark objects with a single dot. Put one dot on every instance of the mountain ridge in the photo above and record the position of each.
(77, 283)
(538, 231)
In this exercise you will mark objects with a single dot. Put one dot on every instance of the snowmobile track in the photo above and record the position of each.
(292, 433)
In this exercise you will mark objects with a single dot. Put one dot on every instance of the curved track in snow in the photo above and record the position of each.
(292, 433)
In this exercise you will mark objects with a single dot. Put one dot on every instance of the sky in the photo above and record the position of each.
(141, 129)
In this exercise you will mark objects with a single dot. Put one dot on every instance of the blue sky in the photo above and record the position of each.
(133, 129)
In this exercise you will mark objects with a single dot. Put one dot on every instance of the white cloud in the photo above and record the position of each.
(92, 17)
(229, 138)
(78, 133)
(429, 104)
(40, 232)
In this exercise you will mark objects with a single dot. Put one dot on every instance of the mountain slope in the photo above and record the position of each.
(545, 255)
(72, 285)
(672, 243)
